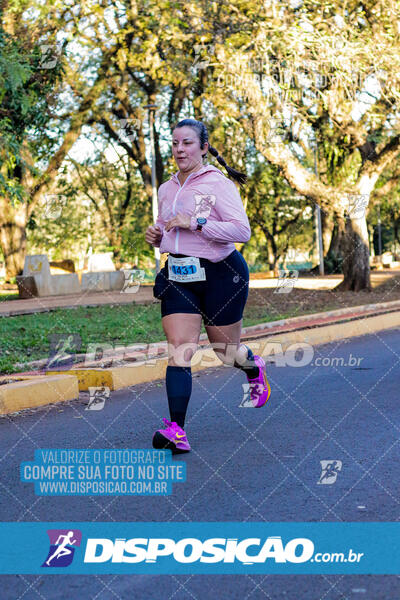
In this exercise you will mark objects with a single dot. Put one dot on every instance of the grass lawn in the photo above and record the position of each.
(25, 338)
(8, 295)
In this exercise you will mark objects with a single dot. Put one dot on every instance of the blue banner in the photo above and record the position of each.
(202, 547)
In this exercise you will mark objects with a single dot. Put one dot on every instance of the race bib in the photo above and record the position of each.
(185, 269)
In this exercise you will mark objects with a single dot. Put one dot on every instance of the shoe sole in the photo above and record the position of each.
(162, 443)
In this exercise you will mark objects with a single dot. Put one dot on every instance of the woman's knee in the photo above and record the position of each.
(180, 353)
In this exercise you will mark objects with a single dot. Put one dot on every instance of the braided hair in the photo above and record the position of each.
(202, 132)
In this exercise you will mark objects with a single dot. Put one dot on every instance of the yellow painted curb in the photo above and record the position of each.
(118, 377)
(141, 372)
(44, 390)
(88, 377)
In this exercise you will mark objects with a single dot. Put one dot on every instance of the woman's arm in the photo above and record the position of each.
(234, 225)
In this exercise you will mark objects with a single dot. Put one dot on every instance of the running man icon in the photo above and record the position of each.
(63, 348)
(62, 549)
(329, 471)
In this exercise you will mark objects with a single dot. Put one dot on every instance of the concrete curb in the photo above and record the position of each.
(36, 391)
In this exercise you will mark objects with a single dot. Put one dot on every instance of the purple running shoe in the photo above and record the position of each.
(260, 389)
(173, 437)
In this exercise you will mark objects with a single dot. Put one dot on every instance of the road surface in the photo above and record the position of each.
(246, 465)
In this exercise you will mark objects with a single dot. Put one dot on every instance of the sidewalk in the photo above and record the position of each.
(9, 308)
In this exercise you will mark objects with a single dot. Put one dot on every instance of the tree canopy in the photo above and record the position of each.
(304, 96)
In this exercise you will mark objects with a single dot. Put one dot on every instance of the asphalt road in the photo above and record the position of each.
(246, 465)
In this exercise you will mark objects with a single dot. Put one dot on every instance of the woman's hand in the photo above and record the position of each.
(153, 234)
(180, 220)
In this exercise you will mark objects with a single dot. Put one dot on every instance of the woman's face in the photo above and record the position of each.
(186, 149)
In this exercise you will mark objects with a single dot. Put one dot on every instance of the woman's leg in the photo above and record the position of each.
(227, 346)
(182, 331)
(228, 288)
(231, 352)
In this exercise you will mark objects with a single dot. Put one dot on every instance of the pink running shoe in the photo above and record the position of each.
(173, 437)
(260, 390)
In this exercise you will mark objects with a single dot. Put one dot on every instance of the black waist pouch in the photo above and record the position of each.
(161, 283)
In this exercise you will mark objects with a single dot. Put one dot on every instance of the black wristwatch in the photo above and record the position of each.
(200, 222)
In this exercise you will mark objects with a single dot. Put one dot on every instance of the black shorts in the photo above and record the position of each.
(220, 299)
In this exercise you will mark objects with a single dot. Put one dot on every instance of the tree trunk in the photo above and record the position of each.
(114, 240)
(117, 251)
(335, 244)
(396, 229)
(272, 254)
(271, 258)
(327, 231)
(355, 252)
(13, 246)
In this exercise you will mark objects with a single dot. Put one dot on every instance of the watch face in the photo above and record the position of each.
(201, 221)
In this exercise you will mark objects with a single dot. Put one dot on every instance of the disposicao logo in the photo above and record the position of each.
(62, 547)
(190, 550)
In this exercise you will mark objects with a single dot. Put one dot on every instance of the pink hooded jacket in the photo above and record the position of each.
(205, 193)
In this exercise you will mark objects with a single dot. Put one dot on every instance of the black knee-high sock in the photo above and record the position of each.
(251, 369)
(179, 387)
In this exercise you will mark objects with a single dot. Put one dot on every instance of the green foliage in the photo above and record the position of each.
(65, 236)
(25, 91)
(279, 218)
(384, 206)
(146, 52)
(107, 198)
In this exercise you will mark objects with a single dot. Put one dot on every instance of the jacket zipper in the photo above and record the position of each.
(174, 207)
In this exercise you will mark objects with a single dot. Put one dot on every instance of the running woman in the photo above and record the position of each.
(200, 217)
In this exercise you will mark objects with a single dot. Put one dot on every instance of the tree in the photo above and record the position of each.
(285, 78)
(36, 131)
(60, 227)
(385, 207)
(23, 107)
(115, 193)
(279, 214)
(124, 56)
(98, 206)
(308, 75)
